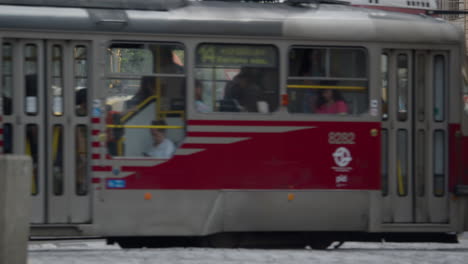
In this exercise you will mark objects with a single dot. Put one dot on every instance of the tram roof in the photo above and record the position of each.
(322, 22)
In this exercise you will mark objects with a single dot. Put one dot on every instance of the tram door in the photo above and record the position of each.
(46, 116)
(415, 136)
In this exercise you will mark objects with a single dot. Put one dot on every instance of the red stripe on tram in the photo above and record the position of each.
(96, 144)
(95, 132)
(95, 120)
(95, 180)
(102, 168)
(95, 156)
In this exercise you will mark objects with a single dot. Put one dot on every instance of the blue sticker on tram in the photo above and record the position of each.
(116, 184)
(97, 112)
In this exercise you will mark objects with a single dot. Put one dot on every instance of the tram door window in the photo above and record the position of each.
(145, 99)
(45, 87)
(414, 136)
(328, 80)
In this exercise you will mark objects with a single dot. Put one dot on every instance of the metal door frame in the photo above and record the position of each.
(417, 203)
(47, 207)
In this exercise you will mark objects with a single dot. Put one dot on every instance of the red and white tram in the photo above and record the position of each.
(218, 121)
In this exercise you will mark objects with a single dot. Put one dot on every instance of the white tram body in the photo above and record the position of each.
(244, 95)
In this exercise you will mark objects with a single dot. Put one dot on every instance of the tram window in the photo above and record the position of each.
(237, 78)
(57, 159)
(328, 80)
(57, 80)
(384, 71)
(7, 138)
(438, 163)
(7, 79)
(31, 79)
(146, 58)
(340, 60)
(439, 88)
(31, 149)
(402, 162)
(420, 162)
(81, 80)
(137, 96)
(81, 161)
(421, 87)
(402, 91)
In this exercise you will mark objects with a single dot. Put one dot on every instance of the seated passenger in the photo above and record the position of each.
(199, 104)
(331, 102)
(162, 148)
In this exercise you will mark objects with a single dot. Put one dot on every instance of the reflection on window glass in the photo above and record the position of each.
(7, 138)
(341, 59)
(236, 78)
(56, 88)
(81, 162)
(32, 145)
(402, 90)
(384, 167)
(7, 79)
(439, 163)
(421, 87)
(146, 58)
(31, 79)
(135, 102)
(384, 71)
(465, 90)
(327, 80)
(402, 162)
(439, 88)
(57, 159)
(81, 80)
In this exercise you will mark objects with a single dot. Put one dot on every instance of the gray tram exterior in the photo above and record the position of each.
(50, 53)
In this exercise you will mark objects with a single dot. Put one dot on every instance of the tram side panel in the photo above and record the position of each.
(247, 176)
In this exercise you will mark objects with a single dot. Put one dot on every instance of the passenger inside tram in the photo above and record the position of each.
(200, 105)
(244, 90)
(330, 101)
(147, 89)
(162, 147)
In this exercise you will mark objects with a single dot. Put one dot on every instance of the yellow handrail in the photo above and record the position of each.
(120, 146)
(401, 189)
(138, 107)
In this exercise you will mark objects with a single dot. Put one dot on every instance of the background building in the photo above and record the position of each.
(460, 19)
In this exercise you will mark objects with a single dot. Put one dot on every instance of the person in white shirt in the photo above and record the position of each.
(199, 104)
(162, 147)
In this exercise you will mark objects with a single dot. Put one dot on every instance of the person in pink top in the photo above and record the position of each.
(331, 102)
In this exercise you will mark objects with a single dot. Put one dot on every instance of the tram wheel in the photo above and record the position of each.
(128, 243)
(320, 244)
